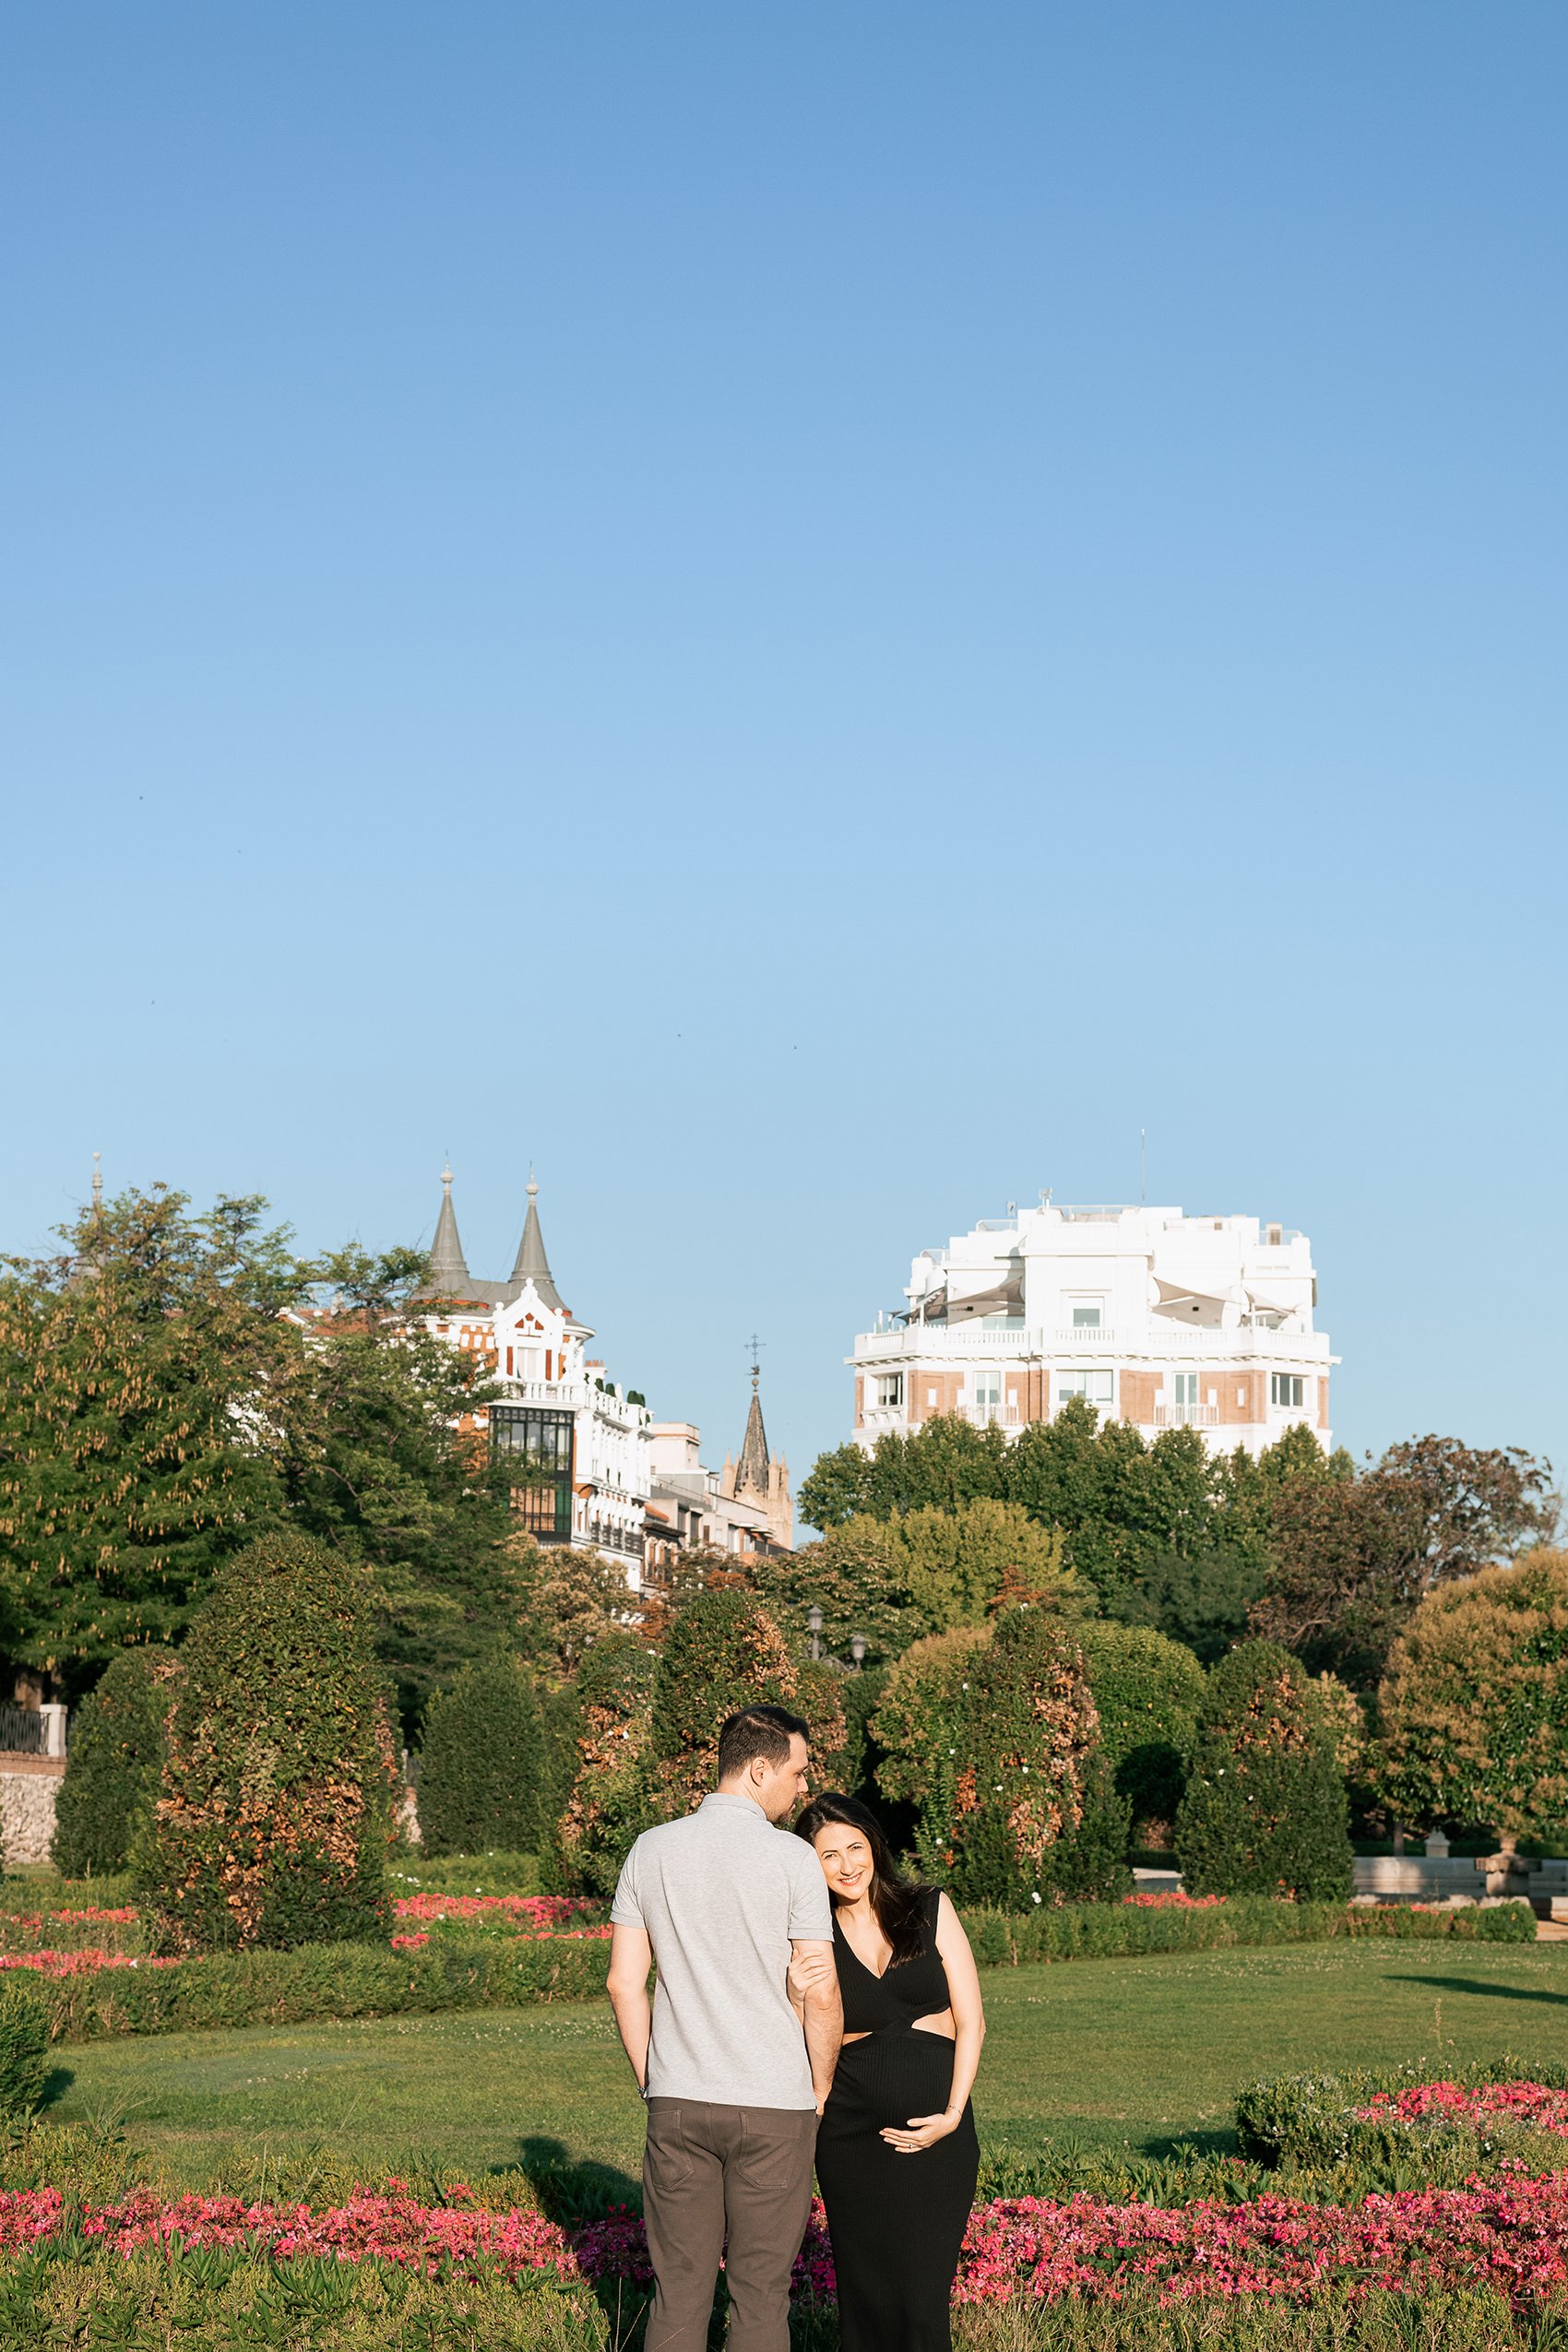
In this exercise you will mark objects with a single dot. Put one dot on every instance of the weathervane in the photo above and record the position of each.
(754, 1349)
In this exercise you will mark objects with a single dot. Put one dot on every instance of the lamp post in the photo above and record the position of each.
(858, 1650)
(814, 1627)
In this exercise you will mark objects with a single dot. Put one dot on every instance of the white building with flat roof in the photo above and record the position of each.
(1154, 1317)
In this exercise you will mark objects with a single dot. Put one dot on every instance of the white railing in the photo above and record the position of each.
(984, 1416)
(1187, 1417)
(573, 1396)
(1153, 1340)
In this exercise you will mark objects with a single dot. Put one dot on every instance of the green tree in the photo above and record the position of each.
(1474, 1705)
(1148, 1692)
(1264, 1811)
(916, 1727)
(957, 1564)
(385, 1465)
(114, 1764)
(1353, 1557)
(485, 1782)
(857, 1576)
(139, 1378)
(274, 1815)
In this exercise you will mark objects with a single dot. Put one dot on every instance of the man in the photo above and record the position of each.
(736, 1915)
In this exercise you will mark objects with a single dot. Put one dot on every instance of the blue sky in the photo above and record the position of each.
(807, 617)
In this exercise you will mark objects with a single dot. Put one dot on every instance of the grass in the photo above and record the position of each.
(1108, 2054)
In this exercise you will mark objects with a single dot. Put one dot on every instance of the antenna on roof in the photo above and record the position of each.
(1143, 1166)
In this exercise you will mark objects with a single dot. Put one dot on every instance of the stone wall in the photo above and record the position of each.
(28, 1788)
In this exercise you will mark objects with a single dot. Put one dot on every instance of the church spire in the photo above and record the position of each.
(448, 1267)
(532, 1265)
(751, 1471)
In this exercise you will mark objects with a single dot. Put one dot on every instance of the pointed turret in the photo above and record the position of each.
(751, 1471)
(532, 1265)
(449, 1275)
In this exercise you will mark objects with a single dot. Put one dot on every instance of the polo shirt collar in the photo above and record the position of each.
(732, 1802)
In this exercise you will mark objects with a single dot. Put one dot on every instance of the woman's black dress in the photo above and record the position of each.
(897, 2222)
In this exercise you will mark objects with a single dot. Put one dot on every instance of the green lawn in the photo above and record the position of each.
(1102, 2052)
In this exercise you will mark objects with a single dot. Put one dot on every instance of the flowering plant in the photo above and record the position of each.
(1174, 1898)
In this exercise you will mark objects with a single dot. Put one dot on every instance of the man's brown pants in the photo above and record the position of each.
(711, 2171)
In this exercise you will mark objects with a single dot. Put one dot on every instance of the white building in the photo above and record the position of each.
(1157, 1318)
(579, 1444)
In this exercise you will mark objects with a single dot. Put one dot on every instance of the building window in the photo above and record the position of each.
(1096, 1389)
(534, 1447)
(1086, 1314)
(985, 1387)
(889, 1388)
(1285, 1388)
(1187, 1388)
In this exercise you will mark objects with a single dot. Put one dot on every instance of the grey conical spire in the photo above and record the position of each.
(448, 1267)
(751, 1471)
(532, 1265)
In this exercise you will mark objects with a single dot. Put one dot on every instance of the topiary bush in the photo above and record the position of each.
(26, 2022)
(1026, 1731)
(484, 1774)
(1148, 1692)
(115, 1760)
(608, 1804)
(274, 1817)
(915, 1728)
(1264, 1811)
(723, 1652)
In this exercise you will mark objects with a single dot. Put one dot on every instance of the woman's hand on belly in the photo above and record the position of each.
(922, 2131)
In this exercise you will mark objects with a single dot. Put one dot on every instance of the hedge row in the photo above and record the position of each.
(317, 1980)
(1118, 1931)
(265, 1988)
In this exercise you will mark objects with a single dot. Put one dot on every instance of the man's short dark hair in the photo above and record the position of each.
(757, 1731)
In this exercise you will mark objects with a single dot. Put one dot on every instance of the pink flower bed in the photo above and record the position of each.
(1481, 2103)
(540, 1911)
(1173, 1899)
(90, 1914)
(1510, 2233)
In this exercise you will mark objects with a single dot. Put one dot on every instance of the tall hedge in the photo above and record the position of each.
(1264, 1811)
(607, 1805)
(915, 1728)
(1025, 1730)
(723, 1652)
(1475, 1704)
(484, 1774)
(1148, 1692)
(274, 1816)
(115, 1760)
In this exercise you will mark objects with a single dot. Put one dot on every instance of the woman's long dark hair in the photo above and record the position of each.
(897, 1900)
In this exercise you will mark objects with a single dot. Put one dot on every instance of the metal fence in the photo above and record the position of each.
(21, 1730)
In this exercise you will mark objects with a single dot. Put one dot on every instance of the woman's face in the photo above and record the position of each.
(846, 1858)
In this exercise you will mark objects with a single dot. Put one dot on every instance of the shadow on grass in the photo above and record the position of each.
(56, 2082)
(1492, 1992)
(570, 2194)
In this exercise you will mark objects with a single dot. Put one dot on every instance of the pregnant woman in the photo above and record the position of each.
(896, 2151)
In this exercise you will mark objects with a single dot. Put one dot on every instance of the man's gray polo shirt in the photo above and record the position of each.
(722, 1895)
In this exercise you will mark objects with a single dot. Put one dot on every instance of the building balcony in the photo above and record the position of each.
(1152, 1341)
(1187, 1417)
(576, 1397)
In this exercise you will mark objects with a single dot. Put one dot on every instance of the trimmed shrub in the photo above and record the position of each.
(915, 1727)
(1264, 1811)
(274, 1819)
(483, 1776)
(1130, 1930)
(1025, 1730)
(115, 1760)
(1148, 1692)
(26, 2020)
(1090, 1864)
(1474, 1706)
(724, 1651)
(607, 1805)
